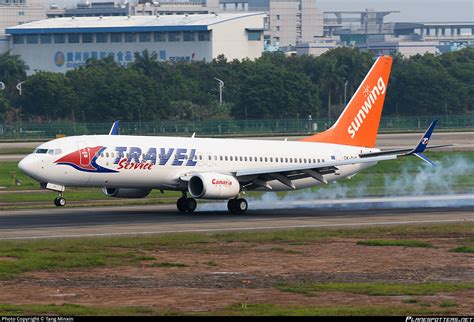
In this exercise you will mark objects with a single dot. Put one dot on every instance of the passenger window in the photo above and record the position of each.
(241, 159)
(221, 157)
(210, 158)
(226, 157)
(265, 159)
(107, 154)
(231, 158)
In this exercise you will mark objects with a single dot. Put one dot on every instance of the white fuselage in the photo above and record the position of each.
(159, 162)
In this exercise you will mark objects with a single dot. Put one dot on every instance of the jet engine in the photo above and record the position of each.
(126, 192)
(211, 185)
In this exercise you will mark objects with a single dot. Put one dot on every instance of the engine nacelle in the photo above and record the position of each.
(211, 185)
(126, 192)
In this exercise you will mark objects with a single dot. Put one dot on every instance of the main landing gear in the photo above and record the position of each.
(60, 201)
(185, 204)
(237, 205)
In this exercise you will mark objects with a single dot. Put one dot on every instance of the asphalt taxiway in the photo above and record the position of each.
(211, 217)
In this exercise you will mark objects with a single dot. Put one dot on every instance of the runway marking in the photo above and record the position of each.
(237, 229)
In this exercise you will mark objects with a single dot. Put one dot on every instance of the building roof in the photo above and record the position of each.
(127, 23)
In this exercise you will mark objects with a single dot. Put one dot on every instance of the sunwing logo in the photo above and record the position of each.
(85, 160)
(371, 98)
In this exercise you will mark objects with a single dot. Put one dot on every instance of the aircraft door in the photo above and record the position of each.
(84, 154)
(85, 159)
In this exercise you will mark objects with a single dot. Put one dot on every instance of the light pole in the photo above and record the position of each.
(18, 87)
(221, 87)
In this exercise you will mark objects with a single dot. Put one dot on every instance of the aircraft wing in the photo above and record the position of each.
(254, 178)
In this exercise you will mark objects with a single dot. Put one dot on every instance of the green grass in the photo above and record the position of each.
(74, 310)
(6, 151)
(401, 242)
(55, 254)
(278, 310)
(168, 264)
(234, 310)
(375, 288)
(448, 303)
(463, 249)
(212, 264)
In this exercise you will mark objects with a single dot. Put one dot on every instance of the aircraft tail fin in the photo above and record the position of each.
(359, 122)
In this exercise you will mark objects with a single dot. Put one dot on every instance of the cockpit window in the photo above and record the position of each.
(48, 151)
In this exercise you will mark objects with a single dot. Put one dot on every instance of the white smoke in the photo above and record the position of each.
(418, 185)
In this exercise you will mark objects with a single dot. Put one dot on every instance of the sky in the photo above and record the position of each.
(410, 10)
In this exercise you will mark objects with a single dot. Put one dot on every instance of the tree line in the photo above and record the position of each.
(272, 86)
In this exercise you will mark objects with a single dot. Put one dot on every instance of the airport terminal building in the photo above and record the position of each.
(61, 44)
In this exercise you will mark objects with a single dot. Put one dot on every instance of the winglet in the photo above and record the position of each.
(425, 139)
(115, 129)
(423, 143)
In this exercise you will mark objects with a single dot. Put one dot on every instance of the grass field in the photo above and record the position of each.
(405, 176)
(85, 254)
(119, 251)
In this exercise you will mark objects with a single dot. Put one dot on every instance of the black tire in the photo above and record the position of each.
(56, 203)
(181, 205)
(231, 206)
(191, 205)
(241, 205)
(61, 202)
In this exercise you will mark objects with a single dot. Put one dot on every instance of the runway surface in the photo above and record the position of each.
(464, 141)
(140, 220)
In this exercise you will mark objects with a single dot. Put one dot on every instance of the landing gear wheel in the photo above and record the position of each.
(59, 202)
(181, 205)
(231, 206)
(241, 205)
(237, 206)
(191, 205)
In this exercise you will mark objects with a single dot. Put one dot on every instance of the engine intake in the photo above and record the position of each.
(126, 192)
(213, 186)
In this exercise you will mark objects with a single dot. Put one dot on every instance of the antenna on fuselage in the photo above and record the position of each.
(192, 136)
(115, 129)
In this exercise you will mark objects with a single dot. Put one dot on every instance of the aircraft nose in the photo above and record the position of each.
(28, 165)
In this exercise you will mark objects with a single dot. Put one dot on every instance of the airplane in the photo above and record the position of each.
(210, 168)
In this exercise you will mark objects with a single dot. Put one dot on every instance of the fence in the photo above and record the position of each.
(222, 128)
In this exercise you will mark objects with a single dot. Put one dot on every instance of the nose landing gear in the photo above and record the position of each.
(60, 201)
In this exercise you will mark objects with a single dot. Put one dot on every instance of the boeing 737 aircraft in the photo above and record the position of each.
(131, 166)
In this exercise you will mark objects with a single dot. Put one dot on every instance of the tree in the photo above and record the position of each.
(147, 63)
(4, 107)
(49, 96)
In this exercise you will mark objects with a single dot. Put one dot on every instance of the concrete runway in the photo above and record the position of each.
(464, 141)
(141, 220)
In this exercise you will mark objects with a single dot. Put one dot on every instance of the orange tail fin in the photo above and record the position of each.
(359, 122)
